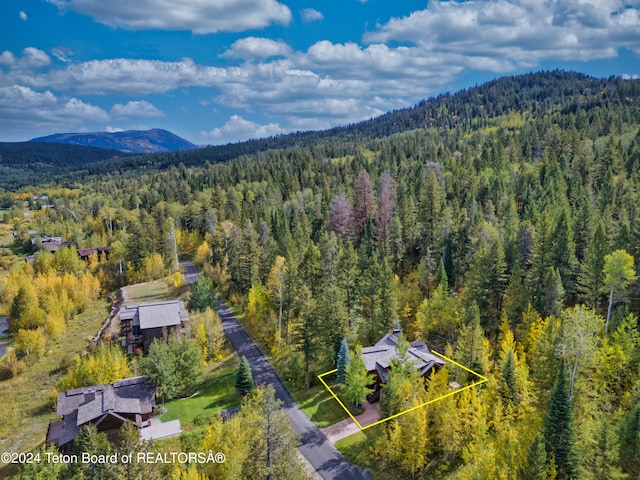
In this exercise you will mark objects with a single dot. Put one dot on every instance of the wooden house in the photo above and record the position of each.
(377, 359)
(141, 324)
(105, 406)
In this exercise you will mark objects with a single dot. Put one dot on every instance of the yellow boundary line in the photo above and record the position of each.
(475, 384)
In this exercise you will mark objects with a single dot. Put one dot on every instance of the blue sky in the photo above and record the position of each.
(219, 71)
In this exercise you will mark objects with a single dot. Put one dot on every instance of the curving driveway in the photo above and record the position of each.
(320, 453)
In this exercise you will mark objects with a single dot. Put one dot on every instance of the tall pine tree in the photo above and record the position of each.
(244, 377)
(591, 277)
(559, 431)
(343, 361)
(537, 465)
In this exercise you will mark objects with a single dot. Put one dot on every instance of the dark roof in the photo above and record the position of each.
(85, 252)
(80, 406)
(131, 395)
(379, 356)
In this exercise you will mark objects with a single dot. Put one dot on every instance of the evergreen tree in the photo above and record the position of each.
(343, 361)
(562, 254)
(553, 293)
(430, 208)
(591, 277)
(91, 441)
(473, 347)
(43, 470)
(203, 295)
(486, 282)
(425, 273)
(539, 261)
(630, 441)
(449, 265)
(441, 276)
(516, 297)
(536, 466)
(273, 442)
(559, 431)
(508, 386)
(604, 465)
(129, 443)
(388, 301)
(244, 377)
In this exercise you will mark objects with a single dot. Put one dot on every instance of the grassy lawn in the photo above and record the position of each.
(356, 447)
(216, 392)
(318, 404)
(27, 400)
(6, 237)
(157, 291)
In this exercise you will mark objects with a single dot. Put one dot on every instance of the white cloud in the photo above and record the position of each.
(62, 53)
(23, 16)
(199, 16)
(633, 76)
(257, 48)
(34, 58)
(139, 108)
(311, 15)
(404, 60)
(124, 76)
(511, 34)
(7, 58)
(21, 107)
(237, 129)
(111, 129)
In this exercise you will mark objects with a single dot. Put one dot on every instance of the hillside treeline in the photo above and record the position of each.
(500, 224)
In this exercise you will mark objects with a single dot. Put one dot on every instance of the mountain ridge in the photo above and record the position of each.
(530, 95)
(155, 140)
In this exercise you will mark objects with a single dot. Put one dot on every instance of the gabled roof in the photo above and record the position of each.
(80, 406)
(131, 395)
(379, 356)
(156, 315)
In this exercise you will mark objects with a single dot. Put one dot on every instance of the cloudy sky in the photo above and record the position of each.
(219, 71)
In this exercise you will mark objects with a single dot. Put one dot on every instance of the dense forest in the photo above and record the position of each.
(501, 225)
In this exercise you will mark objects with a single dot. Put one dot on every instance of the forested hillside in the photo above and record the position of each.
(33, 163)
(500, 225)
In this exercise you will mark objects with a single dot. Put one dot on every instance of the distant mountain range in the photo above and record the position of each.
(524, 98)
(156, 140)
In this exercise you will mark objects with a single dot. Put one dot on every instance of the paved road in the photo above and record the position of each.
(190, 271)
(4, 325)
(324, 457)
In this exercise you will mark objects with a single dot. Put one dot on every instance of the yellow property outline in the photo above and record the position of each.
(475, 384)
